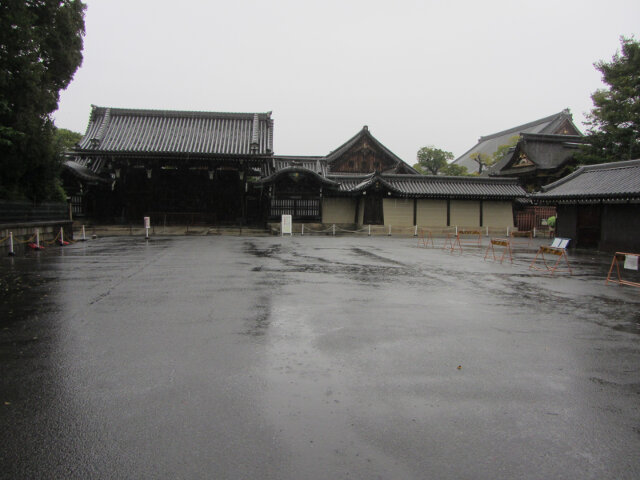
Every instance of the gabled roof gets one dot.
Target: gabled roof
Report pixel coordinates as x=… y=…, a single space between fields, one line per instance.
x=559 y=123
x=433 y=186
x=127 y=131
x=366 y=134
x=618 y=180
x=544 y=152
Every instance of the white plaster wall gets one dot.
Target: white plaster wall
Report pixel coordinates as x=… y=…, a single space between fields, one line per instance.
x=431 y=213
x=497 y=214
x=398 y=211
x=338 y=210
x=465 y=213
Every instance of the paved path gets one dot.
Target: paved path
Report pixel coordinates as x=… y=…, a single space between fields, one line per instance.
x=313 y=358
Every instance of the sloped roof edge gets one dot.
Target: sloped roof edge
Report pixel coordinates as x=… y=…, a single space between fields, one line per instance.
x=285 y=171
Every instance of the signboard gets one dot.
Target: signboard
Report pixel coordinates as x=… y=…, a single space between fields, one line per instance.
x=147 y=222
x=287 y=225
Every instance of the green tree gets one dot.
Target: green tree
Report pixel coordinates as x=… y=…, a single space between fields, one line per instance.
x=431 y=160
x=40 y=50
x=454 y=170
x=67 y=139
x=613 y=131
x=482 y=159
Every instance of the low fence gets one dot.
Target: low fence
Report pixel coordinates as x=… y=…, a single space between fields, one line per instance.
x=22 y=212
x=384 y=230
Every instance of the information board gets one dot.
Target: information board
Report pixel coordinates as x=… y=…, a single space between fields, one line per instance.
x=287 y=225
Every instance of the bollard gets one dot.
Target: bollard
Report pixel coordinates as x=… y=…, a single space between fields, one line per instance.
x=84 y=238
x=415 y=232
x=487 y=231
x=11 y=252
x=389 y=230
x=456 y=230
x=61 y=237
x=369 y=230
x=147 y=225
x=534 y=232
x=38 y=239
x=302 y=229
x=334 y=229
x=507 y=232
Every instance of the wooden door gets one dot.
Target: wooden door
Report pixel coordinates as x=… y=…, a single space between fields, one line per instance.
x=373 y=214
x=588 y=231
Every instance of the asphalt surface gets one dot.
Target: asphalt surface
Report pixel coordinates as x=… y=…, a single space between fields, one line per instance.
x=313 y=358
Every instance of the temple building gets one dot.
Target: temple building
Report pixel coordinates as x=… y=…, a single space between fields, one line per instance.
x=598 y=206
x=220 y=168
x=545 y=148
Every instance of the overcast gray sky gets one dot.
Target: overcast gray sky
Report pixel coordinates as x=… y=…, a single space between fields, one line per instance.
x=417 y=73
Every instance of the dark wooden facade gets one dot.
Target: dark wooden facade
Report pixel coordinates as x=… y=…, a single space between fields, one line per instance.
x=598 y=206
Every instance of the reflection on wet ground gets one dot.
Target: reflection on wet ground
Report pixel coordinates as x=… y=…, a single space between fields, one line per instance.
x=314 y=358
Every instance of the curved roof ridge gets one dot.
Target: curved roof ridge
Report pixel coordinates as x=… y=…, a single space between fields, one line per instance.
x=175 y=113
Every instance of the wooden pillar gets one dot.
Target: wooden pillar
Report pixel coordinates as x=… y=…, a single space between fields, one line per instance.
x=448 y=212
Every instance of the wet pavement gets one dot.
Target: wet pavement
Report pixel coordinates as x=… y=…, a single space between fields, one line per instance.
x=313 y=358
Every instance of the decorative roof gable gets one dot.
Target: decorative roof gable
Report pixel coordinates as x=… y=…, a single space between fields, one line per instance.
x=363 y=153
x=541 y=152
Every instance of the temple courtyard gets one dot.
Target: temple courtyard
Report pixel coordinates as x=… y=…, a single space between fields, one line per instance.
x=314 y=357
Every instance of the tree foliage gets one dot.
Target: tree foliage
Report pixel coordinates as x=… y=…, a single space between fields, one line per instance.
x=454 y=170
x=40 y=50
x=485 y=160
x=614 y=122
x=66 y=139
x=431 y=160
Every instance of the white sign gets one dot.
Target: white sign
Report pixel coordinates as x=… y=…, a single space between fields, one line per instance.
x=631 y=262
x=287 y=225
x=147 y=222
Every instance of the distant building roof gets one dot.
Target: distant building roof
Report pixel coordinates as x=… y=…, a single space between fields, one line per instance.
x=127 y=131
x=606 y=181
x=560 y=123
x=537 y=152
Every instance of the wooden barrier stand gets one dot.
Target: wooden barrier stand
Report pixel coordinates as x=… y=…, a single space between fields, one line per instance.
x=631 y=261
x=463 y=234
x=425 y=237
x=452 y=242
x=528 y=234
x=557 y=248
x=499 y=242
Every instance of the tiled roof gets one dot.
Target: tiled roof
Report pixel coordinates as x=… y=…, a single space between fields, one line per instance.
x=489 y=144
x=84 y=172
x=546 y=152
x=618 y=180
x=429 y=186
x=116 y=130
x=299 y=170
x=315 y=164
x=342 y=149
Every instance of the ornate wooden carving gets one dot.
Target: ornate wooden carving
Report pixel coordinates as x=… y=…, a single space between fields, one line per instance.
x=363 y=158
